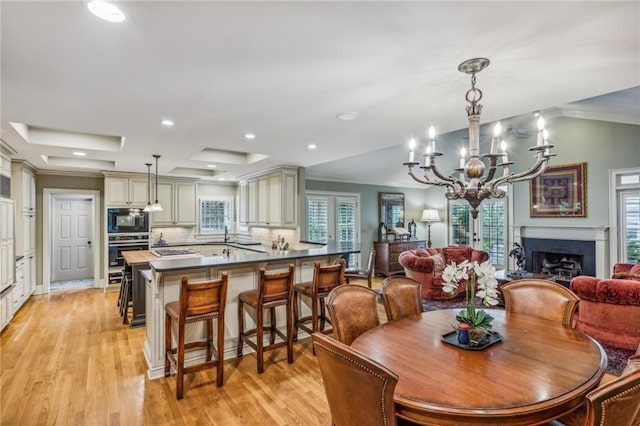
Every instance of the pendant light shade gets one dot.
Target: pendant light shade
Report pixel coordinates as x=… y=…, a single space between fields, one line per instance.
x=156 y=207
x=148 y=207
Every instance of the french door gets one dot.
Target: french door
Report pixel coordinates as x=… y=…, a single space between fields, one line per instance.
x=488 y=232
x=333 y=217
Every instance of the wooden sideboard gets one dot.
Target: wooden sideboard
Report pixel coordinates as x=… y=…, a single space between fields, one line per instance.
x=387 y=253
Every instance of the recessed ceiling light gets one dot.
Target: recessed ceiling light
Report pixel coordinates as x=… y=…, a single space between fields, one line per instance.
x=79 y=153
x=211 y=166
x=347 y=116
x=107 y=11
x=312 y=146
x=249 y=136
x=167 y=123
x=221 y=178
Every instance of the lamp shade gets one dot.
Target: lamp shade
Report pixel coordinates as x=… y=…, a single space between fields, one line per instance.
x=430 y=215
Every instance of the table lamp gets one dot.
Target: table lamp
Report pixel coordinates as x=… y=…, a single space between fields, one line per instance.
x=429 y=216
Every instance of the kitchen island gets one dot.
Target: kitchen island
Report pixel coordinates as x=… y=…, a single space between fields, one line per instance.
x=162 y=286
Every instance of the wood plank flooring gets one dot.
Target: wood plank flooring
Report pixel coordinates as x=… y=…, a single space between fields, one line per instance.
x=67 y=359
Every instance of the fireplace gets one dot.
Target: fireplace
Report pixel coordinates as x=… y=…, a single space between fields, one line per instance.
x=567 y=258
x=590 y=242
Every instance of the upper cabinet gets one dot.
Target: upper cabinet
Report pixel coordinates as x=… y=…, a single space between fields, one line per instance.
x=270 y=199
x=126 y=191
x=178 y=200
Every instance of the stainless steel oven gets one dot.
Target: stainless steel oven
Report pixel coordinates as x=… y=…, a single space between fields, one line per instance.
x=119 y=243
x=128 y=242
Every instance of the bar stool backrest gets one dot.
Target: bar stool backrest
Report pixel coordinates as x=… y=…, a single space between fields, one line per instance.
x=275 y=286
x=199 y=298
x=326 y=278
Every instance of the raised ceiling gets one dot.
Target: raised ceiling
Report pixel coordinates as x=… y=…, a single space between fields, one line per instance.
x=284 y=70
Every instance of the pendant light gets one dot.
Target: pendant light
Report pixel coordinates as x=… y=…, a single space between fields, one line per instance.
x=148 y=207
x=156 y=207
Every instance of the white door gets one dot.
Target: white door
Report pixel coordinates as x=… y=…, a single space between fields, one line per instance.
x=72 y=246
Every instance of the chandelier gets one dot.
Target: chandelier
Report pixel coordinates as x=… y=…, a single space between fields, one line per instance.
x=472 y=184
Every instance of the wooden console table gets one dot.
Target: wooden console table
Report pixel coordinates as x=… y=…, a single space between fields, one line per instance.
x=387 y=253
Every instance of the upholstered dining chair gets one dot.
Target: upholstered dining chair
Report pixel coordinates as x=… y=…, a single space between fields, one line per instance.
x=325 y=279
x=540 y=298
x=358 y=389
x=353 y=309
x=401 y=297
x=274 y=289
x=615 y=403
x=198 y=301
x=362 y=274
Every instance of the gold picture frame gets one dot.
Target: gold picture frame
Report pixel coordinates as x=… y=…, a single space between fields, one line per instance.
x=561 y=191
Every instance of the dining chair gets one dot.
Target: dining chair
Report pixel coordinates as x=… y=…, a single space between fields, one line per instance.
x=325 y=279
x=362 y=274
x=401 y=297
x=274 y=289
x=353 y=309
x=540 y=298
x=198 y=301
x=359 y=390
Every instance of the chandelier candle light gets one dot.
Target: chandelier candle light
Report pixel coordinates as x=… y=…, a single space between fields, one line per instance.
x=472 y=184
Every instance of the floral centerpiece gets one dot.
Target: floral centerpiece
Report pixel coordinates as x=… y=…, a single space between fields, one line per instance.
x=473 y=275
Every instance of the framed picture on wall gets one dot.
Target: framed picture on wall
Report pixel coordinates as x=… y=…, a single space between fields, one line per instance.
x=560 y=192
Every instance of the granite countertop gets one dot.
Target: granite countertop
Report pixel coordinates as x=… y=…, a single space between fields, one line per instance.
x=268 y=255
x=247 y=246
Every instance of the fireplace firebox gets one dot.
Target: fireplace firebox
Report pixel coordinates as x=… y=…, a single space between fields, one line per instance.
x=568 y=258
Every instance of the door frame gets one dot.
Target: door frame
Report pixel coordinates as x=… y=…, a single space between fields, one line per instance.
x=47 y=221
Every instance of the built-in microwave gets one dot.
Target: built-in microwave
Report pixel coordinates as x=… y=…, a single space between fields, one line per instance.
x=127 y=220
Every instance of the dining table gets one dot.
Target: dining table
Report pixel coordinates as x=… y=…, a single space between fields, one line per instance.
x=536 y=370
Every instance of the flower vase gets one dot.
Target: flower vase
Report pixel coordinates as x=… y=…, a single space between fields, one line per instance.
x=477 y=334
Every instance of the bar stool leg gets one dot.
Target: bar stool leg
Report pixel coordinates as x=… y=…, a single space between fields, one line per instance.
x=259 y=341
x=220 y=366
x=240 y=327
x=295 y=316
x=272 y=333
x=180 y=366
x=167 y=345
x=289 y=333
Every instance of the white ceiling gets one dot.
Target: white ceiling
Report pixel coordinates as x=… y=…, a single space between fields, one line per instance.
x=283 y=70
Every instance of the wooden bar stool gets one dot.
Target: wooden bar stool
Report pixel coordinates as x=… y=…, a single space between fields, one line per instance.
x=126 y=297
x=201 y=301
x=325 y=279
x=274 y=289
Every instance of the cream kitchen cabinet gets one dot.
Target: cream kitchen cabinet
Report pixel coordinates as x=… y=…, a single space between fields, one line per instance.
x=126 y=191
x=5 y=165
x=7 y=244
x=272 y=198
x=6 y=302
x=178 y=200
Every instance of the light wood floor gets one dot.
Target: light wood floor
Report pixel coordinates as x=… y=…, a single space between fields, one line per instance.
x=67 y=359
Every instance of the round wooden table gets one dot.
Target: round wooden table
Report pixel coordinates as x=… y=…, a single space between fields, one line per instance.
x=538 y=372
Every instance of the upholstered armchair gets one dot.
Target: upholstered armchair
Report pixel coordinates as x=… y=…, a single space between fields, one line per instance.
x=426 y=266
x=609 y=309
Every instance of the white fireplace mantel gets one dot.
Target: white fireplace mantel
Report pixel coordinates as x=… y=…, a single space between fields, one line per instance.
x=598 y=234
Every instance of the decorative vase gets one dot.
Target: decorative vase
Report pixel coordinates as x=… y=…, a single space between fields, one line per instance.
x=463 y=333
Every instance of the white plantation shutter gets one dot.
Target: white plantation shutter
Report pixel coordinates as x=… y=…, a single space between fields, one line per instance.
x=317 y=220
x=630 y=226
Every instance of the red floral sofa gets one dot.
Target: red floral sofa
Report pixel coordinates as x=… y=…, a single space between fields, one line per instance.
x=609 y=309
x=426 y=266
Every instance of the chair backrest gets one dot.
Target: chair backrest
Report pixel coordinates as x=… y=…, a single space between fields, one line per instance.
x=616 y=403
x=203 y=297
x=275 y=286
x=326 y=278
x=359 y=390
x=540 y=298
x=353 y=309
x=401 y=297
